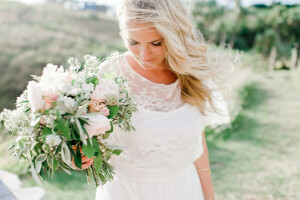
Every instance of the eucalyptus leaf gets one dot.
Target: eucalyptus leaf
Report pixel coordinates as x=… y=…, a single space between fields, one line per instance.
x=65 y=170
x=54 y=165
x=41 y=158
x=38 y=166
x=35 y=175
x=81 y=132
x=65 y=153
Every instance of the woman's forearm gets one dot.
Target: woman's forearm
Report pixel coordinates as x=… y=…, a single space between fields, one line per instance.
x=202 y=164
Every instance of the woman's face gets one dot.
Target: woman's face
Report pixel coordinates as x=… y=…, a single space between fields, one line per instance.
x=146 y=45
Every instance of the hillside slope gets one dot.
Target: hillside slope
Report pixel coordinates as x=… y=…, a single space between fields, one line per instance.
x=31 y=36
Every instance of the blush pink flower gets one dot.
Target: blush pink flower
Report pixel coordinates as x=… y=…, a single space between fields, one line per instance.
x=105 y=111
x=98 y=124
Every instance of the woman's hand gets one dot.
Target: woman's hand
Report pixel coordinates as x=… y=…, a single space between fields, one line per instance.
x=86 y=162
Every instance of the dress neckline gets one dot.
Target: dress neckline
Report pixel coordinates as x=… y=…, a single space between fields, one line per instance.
x=136 y=73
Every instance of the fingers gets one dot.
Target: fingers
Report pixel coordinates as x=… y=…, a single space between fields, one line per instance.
x=86 y=159
x=87 y=164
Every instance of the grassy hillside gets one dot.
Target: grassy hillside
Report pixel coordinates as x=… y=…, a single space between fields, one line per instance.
x=32 y=36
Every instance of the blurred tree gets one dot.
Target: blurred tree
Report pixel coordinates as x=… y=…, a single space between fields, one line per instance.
x=259 y=27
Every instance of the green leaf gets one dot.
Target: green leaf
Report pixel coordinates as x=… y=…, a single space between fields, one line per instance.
x=98 y=162
x=96 y=145
x=117 y=151
x=113 y=111
x=77 y=158
x=63 y=126
x=26 y=101
x=38 y=162
x=87 y=135
x=54 y=164
x=46 y=131
x=74 y=132
x=93 y=79
x=65 y=153
x=81 y=132
x=58 y=114
x=35 y=175
x=106 y=135
x=41 y=158
x=111 y=128
x=12 y=146
x=88 y=150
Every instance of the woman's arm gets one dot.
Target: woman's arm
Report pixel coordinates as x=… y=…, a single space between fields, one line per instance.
x=203 y=163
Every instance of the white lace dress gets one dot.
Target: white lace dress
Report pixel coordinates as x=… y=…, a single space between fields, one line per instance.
x=157 y=163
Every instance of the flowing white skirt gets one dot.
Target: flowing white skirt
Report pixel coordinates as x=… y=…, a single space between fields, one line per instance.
x=184 y=187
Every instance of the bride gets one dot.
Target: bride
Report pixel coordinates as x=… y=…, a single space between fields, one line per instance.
x=168 y=71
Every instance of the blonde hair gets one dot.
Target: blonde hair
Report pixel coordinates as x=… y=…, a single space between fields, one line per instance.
x=186 y=50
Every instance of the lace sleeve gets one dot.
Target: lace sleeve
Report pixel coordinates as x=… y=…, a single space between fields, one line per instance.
x=213 y=118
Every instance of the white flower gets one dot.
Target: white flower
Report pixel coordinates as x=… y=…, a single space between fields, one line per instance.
x=35 y=96
x=53 y=140
x=53 y=78
x=98 y=124
x=69 y=102
x=104 y=89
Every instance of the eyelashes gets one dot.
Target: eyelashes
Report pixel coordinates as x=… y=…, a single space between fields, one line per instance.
x=131 y=43
x=157 y=44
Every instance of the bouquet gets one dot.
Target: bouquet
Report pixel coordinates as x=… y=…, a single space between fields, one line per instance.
x=66 y=110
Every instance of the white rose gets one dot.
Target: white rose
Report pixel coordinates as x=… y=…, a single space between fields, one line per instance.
x=98 y=124
x=53 y=140
x=35 y=96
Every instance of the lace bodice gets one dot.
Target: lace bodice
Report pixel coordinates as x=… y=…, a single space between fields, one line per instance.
x=168 y=136
x=150 y=95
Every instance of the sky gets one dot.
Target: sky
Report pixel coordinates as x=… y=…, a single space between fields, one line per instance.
x=222 y=2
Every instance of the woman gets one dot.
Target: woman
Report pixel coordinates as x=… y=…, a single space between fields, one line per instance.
x=166 y=158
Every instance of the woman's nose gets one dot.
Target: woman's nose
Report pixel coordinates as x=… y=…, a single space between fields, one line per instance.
x=144 y=53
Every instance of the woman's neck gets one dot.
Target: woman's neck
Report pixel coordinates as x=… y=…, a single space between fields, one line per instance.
x=157 y=75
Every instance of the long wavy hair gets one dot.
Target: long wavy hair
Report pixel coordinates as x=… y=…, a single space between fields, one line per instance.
x=186 y=49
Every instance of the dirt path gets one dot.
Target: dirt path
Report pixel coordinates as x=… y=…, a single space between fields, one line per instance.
x=259 y=159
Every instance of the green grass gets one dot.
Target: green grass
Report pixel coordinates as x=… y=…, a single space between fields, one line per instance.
x=258 y=157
